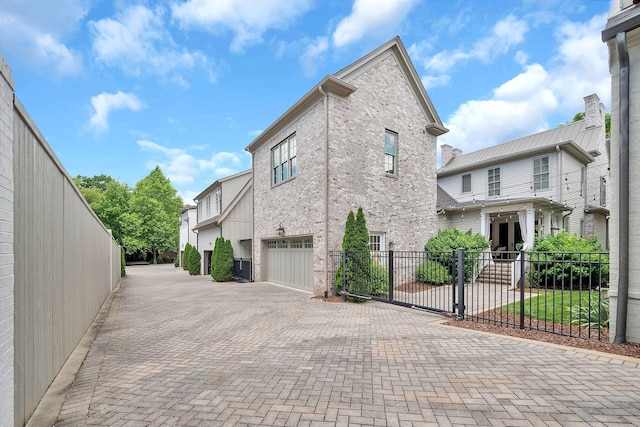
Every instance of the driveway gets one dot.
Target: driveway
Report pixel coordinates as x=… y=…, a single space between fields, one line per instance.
x=177 y=350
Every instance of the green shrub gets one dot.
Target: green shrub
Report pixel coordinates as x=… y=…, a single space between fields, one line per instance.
x=568 y=260
x=433 y=272
x=443 y=248
x=193 y=263
x=185 y=256
x=123 y=263
x=593 y=314
x=222 y=260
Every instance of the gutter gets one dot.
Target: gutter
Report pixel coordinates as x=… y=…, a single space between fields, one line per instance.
x=623 y=217
x=326 y=191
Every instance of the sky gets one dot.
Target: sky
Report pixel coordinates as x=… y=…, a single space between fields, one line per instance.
x=120 y=86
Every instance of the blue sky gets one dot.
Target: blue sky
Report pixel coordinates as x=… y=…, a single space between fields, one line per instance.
x=118 y=87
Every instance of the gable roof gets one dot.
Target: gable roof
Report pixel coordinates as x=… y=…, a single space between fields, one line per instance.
x=340 y=84
x=215 y=220
x=572 y=137
x=220 y=181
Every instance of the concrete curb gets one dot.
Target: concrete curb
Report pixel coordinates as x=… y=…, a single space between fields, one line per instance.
x=49 y=406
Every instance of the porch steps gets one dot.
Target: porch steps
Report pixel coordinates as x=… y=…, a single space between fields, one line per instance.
x=496 y=273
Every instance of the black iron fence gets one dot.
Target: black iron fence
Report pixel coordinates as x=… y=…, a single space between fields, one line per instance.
x=560 y=293
x=242 y=269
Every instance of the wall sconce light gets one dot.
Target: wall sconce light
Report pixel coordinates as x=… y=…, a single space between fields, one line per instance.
x=280 y=230
x=391 y=245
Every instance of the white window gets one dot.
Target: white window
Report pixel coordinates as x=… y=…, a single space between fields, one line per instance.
x=603 y=191
x=283 y=160
x=494 y=182
x=376 y=241
x=583 y=173
x=390 y=152
x=466 y=183
x=199 y=210
x=218 y=195
x=207 y=205
x=541 y=173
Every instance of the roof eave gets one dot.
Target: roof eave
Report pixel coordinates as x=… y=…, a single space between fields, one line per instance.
x=330 y=84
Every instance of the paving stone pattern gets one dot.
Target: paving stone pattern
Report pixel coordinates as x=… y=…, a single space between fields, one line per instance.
x=183 y=351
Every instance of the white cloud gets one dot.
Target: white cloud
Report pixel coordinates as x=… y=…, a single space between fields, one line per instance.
x=254 y=133
x=248 y=20
x=522 y=105
x=430 y=82
x=519 y=107
x=371 y=17
x=105 y=102
x=312 y=56
x=506 y=34
x=183 y=168
x=137 y=42
x=35 y=31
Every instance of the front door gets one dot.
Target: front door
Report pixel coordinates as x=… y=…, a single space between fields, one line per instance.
x=503 y=234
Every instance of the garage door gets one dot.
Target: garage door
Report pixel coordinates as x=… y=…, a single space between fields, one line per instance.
x=290 y=262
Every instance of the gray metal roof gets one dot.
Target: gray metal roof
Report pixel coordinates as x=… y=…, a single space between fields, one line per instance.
x=586 y=139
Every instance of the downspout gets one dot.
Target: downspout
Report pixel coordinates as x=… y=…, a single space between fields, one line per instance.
x=623 y=191
x=326 y=191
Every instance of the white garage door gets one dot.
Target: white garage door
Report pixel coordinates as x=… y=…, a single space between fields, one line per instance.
x=290 y=262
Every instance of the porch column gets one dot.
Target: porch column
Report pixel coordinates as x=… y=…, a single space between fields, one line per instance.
x=484 y=225
x=531 y=228
x=547 y=223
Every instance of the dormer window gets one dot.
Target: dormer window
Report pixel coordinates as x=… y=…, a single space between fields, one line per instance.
x=541 y=173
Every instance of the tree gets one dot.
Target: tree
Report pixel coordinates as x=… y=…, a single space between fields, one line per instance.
x=222 y=260
x=151 y=223
x=109 y=199
x=185 y=256
x=194 y=261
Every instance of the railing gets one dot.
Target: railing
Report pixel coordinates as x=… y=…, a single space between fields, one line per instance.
x=559 y=293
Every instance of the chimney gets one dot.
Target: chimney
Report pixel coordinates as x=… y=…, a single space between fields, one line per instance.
x=456 y=152
x=593 y=111
x=446 y=154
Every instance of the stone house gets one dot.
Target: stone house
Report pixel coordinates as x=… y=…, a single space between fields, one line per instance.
x=532 y=186
x=622 y=35
x=225 y=209
x=364 y=136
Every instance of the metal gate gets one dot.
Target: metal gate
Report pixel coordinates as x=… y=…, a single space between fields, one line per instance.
x=408 y=278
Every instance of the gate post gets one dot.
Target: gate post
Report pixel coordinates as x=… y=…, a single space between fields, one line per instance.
x=390 y=275
x=522 y=281
x=460 y=284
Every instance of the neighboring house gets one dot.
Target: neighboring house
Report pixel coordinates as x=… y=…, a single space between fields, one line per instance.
x=188 y=219
x=225 y=209
x=531 y=186
x=365 y=136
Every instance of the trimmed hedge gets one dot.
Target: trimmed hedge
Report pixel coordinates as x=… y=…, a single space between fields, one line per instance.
x=222 y=260
x=433 y=272
x=194 y=262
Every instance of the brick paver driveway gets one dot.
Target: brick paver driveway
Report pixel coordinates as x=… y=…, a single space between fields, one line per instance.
x=180 y=350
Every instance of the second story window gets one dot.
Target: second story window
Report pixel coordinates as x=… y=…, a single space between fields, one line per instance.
x=583 y=173
x=218 y=201
x=466 y=183
x=541 y=173
x=390 y=152
x=283 y=160
x=603 y=191
x=494 y=182
x=207 y=206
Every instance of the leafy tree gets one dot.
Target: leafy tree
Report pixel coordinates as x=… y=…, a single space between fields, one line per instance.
x=154 y=212
x=109 y=199
x=222 y=260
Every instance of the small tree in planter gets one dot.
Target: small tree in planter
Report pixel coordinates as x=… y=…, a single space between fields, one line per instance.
x=222 y=260
x=194 y=261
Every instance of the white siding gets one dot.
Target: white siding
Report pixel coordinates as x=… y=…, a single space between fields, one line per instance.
x=516 y=181
x=571 y=191
x=238 y=226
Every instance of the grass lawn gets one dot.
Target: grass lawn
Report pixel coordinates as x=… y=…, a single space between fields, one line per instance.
x=551 y=305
